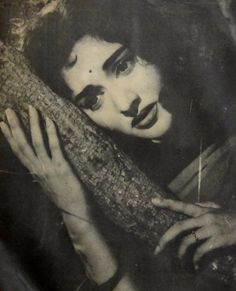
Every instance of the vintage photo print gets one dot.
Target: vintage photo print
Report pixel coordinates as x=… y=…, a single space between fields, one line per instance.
x=117 y=145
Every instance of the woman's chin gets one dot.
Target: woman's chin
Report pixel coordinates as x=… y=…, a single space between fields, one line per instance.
x=151 y=134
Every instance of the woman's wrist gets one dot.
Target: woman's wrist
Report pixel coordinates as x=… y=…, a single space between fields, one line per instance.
x=112 y=282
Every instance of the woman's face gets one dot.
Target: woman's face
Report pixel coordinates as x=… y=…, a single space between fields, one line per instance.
x=116 y=89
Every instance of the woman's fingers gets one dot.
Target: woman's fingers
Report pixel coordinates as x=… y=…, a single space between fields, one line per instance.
x=23 y=150
x=37 y=137
x=7 y=134
x=177 y=229
x=209 y=204
x=179 y=206
x=36 y=134
x=53 y=140
x=193 y=238
x=17 y=139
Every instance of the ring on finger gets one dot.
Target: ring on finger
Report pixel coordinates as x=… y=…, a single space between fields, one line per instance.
x=197 y=239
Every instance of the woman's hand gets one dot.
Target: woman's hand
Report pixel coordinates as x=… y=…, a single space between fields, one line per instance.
x=66 y=191
x=214 y=226
x=53 y=171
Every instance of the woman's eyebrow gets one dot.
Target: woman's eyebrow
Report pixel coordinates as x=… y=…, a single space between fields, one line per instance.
x=110 y=61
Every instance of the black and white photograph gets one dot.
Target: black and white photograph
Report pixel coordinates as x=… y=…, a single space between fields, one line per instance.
x=117 y=145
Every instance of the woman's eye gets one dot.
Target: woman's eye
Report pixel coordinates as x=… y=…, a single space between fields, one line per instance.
x=90 y=102
x=90 y=98
x=124 y=67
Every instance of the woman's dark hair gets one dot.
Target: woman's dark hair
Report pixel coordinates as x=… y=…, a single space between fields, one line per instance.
x=194 y=54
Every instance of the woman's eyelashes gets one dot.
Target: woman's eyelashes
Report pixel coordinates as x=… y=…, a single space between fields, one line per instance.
x=91 y=102
x=90 y=98
x=124 y=65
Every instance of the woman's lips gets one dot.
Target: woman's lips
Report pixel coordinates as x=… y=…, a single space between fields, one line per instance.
x=147 y=117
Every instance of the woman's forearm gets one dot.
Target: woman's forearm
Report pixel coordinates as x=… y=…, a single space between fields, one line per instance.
x=100 y=263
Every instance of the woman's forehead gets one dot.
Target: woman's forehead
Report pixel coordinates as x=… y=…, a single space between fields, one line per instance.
x=86 y=62
x=92 y=52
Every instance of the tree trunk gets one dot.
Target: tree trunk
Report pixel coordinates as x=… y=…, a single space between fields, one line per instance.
x=120 y=188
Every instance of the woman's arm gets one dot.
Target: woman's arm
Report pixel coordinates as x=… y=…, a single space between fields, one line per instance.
x=67 y=193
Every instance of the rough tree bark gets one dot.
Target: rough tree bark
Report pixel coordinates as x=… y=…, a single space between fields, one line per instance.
x=120 y=188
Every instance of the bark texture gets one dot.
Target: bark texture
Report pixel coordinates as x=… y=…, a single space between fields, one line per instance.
x=119 y=187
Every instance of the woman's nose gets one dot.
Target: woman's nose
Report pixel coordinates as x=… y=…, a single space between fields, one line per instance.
x=132 y=111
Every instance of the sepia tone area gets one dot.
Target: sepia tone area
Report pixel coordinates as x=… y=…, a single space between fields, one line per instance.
x=34 y=239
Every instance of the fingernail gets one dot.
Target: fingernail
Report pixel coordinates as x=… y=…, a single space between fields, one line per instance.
x=8 y=111
x=9 y=114
x=157 y=250
x=156 y=200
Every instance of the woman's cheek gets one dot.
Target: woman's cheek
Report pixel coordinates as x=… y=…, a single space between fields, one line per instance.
x=102 y=118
